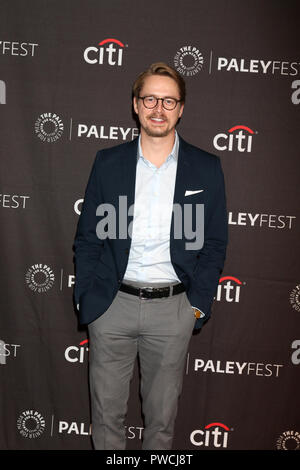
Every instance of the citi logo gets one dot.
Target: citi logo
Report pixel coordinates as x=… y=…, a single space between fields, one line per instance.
x=213 y=435
x=77 y=354
x=237 y=138
x=229 y=289
x=109 y=51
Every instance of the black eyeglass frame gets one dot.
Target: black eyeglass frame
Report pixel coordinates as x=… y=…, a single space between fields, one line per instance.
x=157 y=100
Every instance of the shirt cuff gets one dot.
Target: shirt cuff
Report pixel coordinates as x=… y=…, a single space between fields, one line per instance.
x=198 y=312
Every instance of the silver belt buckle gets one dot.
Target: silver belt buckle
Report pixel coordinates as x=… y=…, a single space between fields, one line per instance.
x=145 y=288
x=155 y=288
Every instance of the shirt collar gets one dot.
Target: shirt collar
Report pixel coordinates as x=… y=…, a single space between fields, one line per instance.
x=173 y=154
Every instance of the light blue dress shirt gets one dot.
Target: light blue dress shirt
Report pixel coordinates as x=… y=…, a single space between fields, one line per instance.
x=149 y=257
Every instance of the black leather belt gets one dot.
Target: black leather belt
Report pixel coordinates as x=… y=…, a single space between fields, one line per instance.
x=152 y=292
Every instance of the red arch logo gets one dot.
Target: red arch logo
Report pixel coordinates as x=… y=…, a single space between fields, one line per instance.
x=230 y=278
x=217 y=424
x=241 y=127
x=116 y=41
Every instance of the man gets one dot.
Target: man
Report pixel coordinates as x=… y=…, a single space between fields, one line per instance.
x=142 y=291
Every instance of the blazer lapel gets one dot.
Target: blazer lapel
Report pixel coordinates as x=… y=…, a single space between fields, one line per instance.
x=183 y=171
x=182 y=176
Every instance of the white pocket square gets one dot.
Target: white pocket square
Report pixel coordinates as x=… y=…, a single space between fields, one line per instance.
x=189 y=193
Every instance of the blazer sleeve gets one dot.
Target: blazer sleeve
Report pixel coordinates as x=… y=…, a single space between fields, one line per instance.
x=87 y=246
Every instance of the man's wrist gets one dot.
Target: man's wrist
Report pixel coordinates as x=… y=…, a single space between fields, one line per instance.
x=198 y=313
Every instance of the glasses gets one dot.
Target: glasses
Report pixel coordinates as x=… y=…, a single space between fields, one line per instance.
x=150 y=102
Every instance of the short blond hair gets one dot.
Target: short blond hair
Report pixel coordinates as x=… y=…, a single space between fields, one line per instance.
x=160 y=68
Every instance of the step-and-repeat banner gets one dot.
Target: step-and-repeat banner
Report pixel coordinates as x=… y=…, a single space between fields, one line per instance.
x=66 y=72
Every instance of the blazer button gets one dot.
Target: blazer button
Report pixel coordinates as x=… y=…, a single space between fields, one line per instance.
x=126 y=251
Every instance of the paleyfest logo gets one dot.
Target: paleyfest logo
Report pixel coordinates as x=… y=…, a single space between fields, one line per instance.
x=188 y=61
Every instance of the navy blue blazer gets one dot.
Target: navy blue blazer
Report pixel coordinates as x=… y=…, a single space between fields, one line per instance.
x=100 y=264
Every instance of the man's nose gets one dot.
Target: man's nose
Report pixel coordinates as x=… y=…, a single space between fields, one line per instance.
x=159 y=106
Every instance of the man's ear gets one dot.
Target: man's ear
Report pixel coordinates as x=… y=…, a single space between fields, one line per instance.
x=181 y=110
x=135 y=107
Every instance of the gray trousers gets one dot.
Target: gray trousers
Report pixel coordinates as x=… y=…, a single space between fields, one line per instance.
x=158 y=331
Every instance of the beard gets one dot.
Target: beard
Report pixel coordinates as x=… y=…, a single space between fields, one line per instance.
x=156 y=132
x=152 y=131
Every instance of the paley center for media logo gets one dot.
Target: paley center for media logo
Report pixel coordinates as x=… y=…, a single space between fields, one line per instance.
x=288 y=440
x=49 y=127
x=31 y=424
x=295 y=298
x=107 y=52
x=188 y=60
x=40 y=277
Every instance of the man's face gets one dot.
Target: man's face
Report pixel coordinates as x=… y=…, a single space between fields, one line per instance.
x=158 y=122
